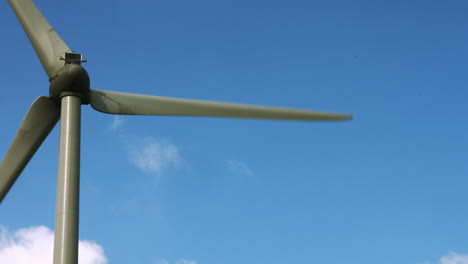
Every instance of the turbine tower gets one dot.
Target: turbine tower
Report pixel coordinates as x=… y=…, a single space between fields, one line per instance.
x=69 y=89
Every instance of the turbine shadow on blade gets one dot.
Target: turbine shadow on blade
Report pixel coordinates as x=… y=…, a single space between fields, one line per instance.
x=69 y=89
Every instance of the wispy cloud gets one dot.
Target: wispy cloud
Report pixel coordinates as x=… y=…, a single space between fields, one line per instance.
x=35 y=245
x=150 y=155
x=454 y=258
x=186 y=261
x=117 y=122
x=239 y=167
x=451 y=258
x=180 y=261
x=153 y=155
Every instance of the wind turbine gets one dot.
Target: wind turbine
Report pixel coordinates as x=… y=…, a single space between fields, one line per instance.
x=69 y=89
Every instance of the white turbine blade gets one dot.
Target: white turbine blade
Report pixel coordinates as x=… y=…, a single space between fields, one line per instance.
x=37 y=124
x=135 y=104
x=46 y=42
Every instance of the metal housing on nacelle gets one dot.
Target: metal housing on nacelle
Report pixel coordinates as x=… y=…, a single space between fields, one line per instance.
x=71 y=79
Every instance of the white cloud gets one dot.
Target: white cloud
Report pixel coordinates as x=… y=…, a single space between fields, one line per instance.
x=454 y=258
x=35 y=245
x=152 y=156
x=239 y=167
x=117 y=122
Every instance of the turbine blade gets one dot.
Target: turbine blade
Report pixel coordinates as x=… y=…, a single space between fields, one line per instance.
x=37 y=124
x=135 y=104
x=46 y=42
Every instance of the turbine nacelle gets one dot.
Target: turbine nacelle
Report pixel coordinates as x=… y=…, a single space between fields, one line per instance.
x=71 y=79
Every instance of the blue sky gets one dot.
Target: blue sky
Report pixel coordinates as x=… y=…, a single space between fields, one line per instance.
x=388 y=187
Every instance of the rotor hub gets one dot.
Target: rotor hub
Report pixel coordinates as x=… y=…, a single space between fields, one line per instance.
x=71 y=79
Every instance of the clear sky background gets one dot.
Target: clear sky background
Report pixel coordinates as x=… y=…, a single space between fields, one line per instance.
x=388 y=187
